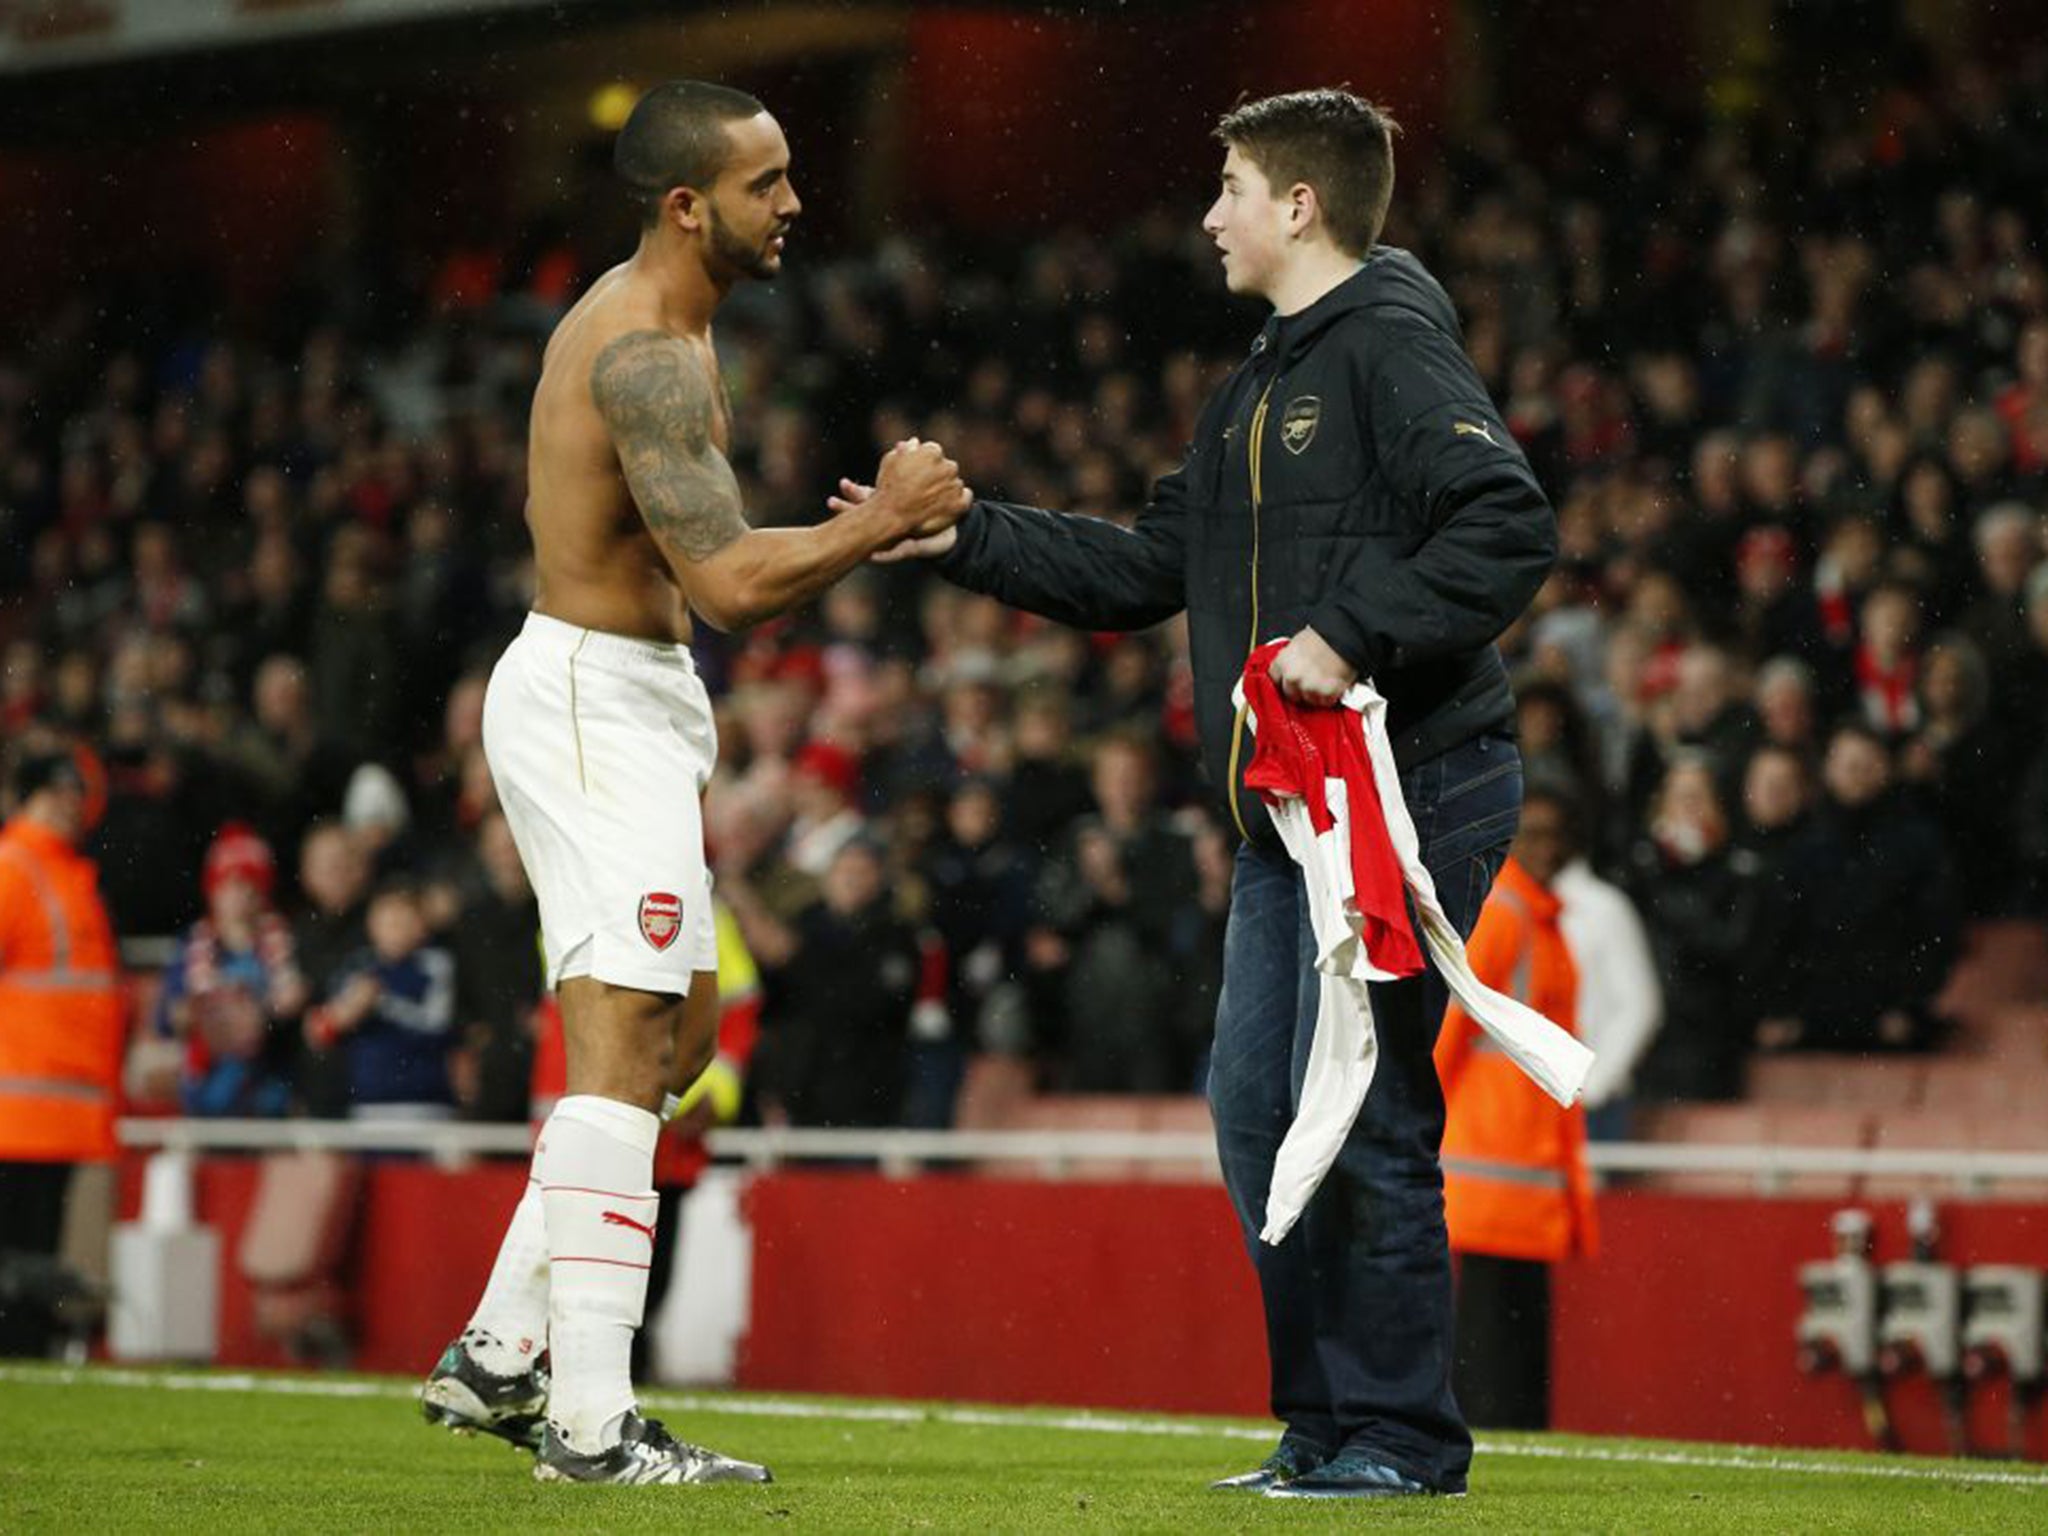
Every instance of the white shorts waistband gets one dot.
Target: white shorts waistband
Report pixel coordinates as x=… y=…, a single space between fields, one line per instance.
x=555 y=637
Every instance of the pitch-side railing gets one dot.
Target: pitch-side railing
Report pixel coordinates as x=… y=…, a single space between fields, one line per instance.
x=1059 y=1154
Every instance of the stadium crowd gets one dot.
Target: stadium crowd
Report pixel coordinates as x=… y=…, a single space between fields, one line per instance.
x=1787 y=383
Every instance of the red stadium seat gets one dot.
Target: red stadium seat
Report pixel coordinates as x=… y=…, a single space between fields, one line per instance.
x=2016 y=1034
x=1835 y=1126
x=1079 y=1112
x=1183 y=1115
x=994 y=1092
x=1712 y=1125
x=1836 y=1080
x=2020 y=1129
x=1980 y=1085
x=2003 y=963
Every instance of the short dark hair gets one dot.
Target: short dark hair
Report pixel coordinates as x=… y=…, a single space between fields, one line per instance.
x=1862 y=730
x=675 y=137
x=43 y=768
x=1340 y=144
x=399 y=885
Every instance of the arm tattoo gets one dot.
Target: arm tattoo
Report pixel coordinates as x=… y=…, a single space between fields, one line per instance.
x=658 y=401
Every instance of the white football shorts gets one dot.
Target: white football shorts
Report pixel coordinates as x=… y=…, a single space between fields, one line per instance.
x=600 y=747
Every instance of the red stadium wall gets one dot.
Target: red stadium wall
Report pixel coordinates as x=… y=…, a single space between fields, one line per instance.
x=1090 y=120
x=422 y=1250
x=1683 y=1325
x=244 y=202
x=1138 y=1296
x=1113 y=1295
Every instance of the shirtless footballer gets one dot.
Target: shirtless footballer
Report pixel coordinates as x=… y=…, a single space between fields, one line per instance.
x=600 y=738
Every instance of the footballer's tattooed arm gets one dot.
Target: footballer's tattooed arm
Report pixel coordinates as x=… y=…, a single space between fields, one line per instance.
x=658 y=400
x=659 y=403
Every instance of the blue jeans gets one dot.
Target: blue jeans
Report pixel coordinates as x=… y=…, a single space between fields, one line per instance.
x=1358 y=1297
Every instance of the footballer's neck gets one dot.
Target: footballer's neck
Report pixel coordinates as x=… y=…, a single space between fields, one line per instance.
x=1311 y=269
x=689 y=292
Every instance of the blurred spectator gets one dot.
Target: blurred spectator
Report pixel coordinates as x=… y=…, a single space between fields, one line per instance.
x=1775 y=798
x=454 y=783
x=1933 y=555
x=392 y=1007
x=352 y=654
x=1700 y=903
x=1710 y=716
x=1775 y=613
x=1557 y=745
x=234 y=990
x=1620 y=999
x=153 y=837
x=447 y=854
x=1215 y=855
x=22 y=696
x=498 y=981
x=1887 y=662
x=981 y=886
x=1048 y=790
x=2009 y=547
x=1785 y=704
x=1631 y=761
x=267 y=612
x=374 y=810
x=2025 y=689
x=1875 y=910
x=1964 y=766
x=1776 y=831
x=334 y=884
x=162 y=594
x=437 y=601
x=824 y=784
x=843 y=975
x=284 y=755
x=1118 y=919
x=1850 y=564
x=2029 y=704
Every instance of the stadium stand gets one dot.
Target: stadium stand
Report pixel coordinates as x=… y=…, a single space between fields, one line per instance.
x=1792 y=408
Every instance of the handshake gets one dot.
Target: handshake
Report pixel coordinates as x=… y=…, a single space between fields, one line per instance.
x=916 y=499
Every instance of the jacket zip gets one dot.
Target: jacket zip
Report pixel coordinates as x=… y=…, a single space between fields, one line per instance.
x=1256 y=448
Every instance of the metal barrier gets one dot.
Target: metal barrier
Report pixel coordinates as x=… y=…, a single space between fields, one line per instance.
x=1056 y=1154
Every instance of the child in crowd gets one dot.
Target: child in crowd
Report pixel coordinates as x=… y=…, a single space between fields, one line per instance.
x=234 y=980
x=392 y=1006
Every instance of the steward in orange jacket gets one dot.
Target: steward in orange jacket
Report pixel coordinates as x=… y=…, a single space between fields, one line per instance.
x=62 y=1021
x=63 y=1015
x=1515 y=1182
x=1516 y=1192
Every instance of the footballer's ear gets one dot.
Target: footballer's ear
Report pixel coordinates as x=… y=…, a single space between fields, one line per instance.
x=683 y=208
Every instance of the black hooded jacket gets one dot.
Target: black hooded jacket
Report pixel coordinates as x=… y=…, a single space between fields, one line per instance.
x=1350 y=476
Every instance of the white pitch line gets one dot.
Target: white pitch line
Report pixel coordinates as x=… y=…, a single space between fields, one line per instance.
x=1762 y=1461
x=210 y=1381
x=998 y=1418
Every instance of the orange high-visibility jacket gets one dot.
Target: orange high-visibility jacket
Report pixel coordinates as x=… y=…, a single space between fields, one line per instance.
x=63 y=1015
x=1515 y=1182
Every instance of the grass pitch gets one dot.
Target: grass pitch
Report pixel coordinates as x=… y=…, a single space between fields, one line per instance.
x=118 y=1450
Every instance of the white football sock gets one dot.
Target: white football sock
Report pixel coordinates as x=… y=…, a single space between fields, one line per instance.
x=596 y=1163
x=510 y=1326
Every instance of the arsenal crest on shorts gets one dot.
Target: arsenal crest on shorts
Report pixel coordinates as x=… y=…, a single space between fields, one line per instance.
x=661 y=918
